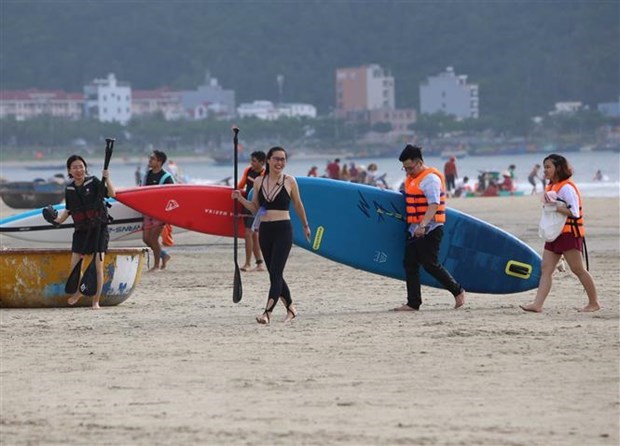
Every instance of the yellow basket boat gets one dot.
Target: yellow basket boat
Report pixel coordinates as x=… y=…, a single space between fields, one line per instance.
x=35 y=278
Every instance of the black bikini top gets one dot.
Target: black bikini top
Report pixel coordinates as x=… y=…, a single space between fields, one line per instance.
x=277 y=200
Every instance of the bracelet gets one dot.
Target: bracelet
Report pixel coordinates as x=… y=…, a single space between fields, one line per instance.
x=306 y=225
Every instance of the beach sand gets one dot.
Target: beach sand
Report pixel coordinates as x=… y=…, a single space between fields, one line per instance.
x=179 y=363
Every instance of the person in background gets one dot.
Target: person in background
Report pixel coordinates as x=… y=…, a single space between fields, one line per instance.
x=254 y=170
x=151 y=227
x=570 y=242
x=451 y=174
x=462 y=187
x=507 y=184
x=138 y=176
x=85 y=203
x=534 y=177
x=344 y=173
x=425 y=194
x=512 y=170
x=353 y=172
x=313 y=172
x=598 y=176
x=273 y=194
x=333 y=169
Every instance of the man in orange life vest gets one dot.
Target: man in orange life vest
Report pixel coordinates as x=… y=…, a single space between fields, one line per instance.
x=425 y=195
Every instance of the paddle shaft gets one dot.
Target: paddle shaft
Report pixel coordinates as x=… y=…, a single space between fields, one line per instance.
x=237 y=288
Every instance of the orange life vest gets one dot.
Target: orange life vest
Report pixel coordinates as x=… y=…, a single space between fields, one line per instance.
x=416 y=201
x=573 y=225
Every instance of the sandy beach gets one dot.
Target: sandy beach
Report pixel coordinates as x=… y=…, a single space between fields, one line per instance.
x=179 y=363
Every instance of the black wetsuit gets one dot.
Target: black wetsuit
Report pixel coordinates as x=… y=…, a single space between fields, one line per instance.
x=87 y=207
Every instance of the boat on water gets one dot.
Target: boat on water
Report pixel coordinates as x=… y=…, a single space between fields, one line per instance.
x=32 y=194
x=35 y=278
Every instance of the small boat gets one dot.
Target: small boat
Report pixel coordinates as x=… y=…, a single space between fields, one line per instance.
x=35 y=278
x=32 y=194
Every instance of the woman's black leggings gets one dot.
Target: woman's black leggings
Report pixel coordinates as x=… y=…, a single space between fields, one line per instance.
x=276 y=239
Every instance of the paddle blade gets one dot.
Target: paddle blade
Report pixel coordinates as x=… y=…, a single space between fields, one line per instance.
x=71 y=286
x=88 y=286
x=237 y=288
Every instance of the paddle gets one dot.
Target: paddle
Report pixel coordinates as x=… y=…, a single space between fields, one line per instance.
x=237 y=288
x=88 y=285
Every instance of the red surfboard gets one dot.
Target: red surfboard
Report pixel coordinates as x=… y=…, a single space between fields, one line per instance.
x=206 y=209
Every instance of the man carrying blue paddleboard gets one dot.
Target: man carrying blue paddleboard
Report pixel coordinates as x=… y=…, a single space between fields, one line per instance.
x=425 y=195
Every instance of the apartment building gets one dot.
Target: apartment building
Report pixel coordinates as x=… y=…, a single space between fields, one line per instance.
x=364 y=88
x=108 y=100
x=162 y=100
x=449 y=93
x=28 y=104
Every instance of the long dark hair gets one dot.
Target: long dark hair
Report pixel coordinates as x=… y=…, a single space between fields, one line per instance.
x=70 y=161
x=274 y=149
x=563 y=170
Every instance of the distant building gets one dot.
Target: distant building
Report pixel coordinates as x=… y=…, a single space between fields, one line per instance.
x=27 y=104
x=364 y=88
x=566 y=107
x=209 y=98
x=367 y=94
x=450 y=94
x=162 y=100
x=108 y=100
x=611 y=109
x=268 y=111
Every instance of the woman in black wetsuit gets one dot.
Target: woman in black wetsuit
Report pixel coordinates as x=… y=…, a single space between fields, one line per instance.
x=273 y=193
x=84 y=198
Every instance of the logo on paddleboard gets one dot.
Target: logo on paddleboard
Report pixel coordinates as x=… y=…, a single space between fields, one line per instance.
x=172 y=205
x=380 y=257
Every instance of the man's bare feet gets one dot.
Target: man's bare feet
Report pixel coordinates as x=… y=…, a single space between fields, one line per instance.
x=164 y=261
x=531 y=308
x=96 y=307
x=74 y=299
x=154 y=269
x=404 y=308
x=459 y=300
x=590 y=308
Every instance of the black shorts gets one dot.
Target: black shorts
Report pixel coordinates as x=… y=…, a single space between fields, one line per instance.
x=248 y=218
x=89 y=242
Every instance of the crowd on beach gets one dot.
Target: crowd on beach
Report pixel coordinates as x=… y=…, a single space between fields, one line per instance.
x=355 y=173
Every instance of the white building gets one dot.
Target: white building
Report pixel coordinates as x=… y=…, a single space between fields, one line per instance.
x=108 y=100
x=450 y=94
x=27 y=104
x=266 y=110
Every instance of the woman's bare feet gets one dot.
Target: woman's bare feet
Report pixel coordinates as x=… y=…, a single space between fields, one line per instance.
x=259 y=267
x=245 y=268
x=531 y=308
x=263 y=319
x=291 y=313
x=590 y=308
x=96 y=307
x=154 y=269
x=74 y=299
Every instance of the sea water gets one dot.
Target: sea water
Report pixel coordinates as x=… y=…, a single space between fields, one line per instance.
x=585 y=165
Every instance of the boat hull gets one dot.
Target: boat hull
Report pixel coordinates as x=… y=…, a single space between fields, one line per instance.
x=35 y=278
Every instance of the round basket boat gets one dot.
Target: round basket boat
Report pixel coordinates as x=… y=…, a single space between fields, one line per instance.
x=35 y=278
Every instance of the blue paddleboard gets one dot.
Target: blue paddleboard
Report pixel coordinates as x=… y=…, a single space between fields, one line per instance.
x=364 y=227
